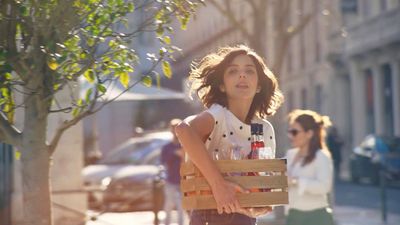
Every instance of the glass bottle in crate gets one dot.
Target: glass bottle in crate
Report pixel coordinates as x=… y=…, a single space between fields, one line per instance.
x=254 y=141
x=264 y=152
x=216 y=155
x=235 y=153
x=254 y=150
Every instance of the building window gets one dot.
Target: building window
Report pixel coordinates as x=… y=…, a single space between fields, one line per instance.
x=316 y=31
x=366 y=8
x=302 y=41
x=318 y=98
x=302 y=51
x=383 y=5
x=369 y=94
x=304 y=98
x=388 y=99
x=349 y=6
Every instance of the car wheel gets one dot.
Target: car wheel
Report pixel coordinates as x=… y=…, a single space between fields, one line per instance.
x=375 y=175
x=354 y=176
x=355 y=179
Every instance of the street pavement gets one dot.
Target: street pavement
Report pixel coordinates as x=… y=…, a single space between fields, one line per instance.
x=344 y=215
x=355 y=204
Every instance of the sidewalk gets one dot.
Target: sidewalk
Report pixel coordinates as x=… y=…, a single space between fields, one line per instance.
x=347 y=215
x=344 y=215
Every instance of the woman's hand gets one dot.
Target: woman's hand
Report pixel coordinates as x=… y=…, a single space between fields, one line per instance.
x=255 y=212
x=224 y=194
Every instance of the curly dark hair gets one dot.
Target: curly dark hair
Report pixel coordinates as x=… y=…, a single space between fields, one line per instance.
x=207 y=76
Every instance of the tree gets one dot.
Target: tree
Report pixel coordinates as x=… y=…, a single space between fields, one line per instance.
x=283 y=30
x=46 y=46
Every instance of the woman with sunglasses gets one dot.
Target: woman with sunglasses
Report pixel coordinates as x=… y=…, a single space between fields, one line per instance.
x=310 y=169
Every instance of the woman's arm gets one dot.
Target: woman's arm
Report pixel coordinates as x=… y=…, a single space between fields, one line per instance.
x=192 y=133
x=322 y=183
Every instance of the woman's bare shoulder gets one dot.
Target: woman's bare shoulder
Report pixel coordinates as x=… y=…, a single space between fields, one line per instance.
x=202 y=123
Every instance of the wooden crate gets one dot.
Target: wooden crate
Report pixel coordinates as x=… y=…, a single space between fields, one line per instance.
x=197 y=193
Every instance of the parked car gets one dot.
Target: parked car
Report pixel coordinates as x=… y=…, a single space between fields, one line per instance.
x=374 y=154
x=123 y=179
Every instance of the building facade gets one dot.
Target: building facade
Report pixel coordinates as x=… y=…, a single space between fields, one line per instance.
x=308 y=79
x=367 y=50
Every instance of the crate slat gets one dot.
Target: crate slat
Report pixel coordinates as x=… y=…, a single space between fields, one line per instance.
x=254 y=165
x=260 y=199
x=200 y=183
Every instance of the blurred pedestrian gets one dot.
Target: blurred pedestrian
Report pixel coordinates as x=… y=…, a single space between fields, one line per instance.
x=171 y=156
x=310 y=169
x=335 y=143
x=237 y=88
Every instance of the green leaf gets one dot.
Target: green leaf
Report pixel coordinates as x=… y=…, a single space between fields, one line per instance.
x=124 y=79
x=166 y=67
x=88 y=94
x=2 y=101
x=184 y=20
x=75 y=112
x=8 y=108
x=17 y=154
x=56 y=86
x=167 y=40
x=112 y=44
x=23 y=10
x=147 y=81
x=8 y=76
x=90 y=42
x=80 y=102
x=101 y=88
x=89 y=75
x=160 y=30
x=4 y=92
x=53 y=65
x=131 y=7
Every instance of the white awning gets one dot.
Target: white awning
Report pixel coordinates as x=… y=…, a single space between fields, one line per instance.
x=136 y=93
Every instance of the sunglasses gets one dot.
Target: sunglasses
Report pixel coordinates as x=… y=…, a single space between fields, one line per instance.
x=293 y=132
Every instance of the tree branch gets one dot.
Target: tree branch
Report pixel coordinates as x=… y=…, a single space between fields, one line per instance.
x=299 y=27
x=69 y=123
x=230 y=15
x=9 y=133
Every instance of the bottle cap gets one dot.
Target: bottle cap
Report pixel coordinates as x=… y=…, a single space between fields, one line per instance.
x=253 y=128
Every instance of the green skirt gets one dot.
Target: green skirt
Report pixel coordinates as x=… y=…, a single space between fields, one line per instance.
x=321 y=216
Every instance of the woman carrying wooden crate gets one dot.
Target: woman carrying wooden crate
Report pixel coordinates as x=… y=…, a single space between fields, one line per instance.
x=237 y=89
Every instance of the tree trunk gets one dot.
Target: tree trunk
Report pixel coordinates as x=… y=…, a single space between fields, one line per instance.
x=35 y=163
x=258 y=40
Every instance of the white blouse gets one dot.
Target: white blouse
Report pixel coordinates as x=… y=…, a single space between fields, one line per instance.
x=314 y=181
x=228 y=130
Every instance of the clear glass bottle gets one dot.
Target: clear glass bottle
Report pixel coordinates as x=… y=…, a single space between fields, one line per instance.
x=216 y=155
x=254 y=141
x=235 y=153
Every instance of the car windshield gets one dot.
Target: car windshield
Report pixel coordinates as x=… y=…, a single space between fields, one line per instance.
x=133 y=152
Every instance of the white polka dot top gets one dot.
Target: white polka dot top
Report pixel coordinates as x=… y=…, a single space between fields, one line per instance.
x=229 y=130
